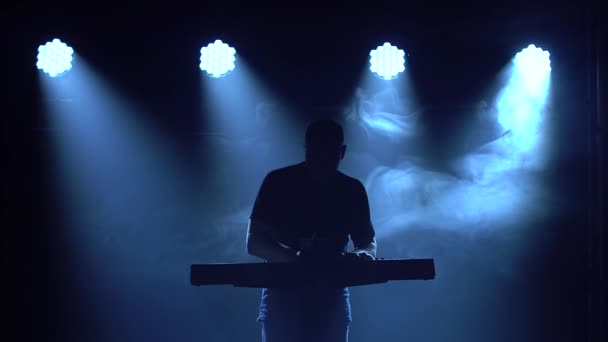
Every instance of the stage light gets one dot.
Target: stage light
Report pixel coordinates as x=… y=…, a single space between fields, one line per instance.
x=532 y=61
x=217 y=59
x=55 y=57
x=521 y=103
x=387 y=61
x=532 y=67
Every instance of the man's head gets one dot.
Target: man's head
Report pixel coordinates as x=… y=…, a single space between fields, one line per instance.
x=325 y=147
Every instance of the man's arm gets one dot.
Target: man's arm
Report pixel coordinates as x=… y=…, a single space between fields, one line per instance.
x=262 y=239
x=362 y=231
x=262 y=243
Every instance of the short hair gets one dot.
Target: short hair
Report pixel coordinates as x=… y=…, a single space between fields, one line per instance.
x=324 y=132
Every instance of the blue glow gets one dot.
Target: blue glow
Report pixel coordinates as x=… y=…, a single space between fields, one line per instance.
x=488 y=187
x=217 y=59
x=384 y=113
x=521 y=103
x=387 y=61
x=55 y=58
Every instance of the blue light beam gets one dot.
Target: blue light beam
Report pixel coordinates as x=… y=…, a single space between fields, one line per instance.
x=217 y=59
x=55 y=58
x=521 y=102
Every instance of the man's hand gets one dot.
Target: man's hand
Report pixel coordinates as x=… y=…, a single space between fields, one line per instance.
x=364 y=255
x=288 y=255
x=360 y=255
x=262 y=242
x=366 y=251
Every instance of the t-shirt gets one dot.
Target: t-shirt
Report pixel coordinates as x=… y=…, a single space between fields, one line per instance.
x=297 y=208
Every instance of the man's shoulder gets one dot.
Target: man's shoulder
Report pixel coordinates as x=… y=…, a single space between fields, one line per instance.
x=286 y=171
x=350 y=181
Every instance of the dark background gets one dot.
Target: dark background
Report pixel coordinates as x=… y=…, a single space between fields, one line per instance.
x=452 y=54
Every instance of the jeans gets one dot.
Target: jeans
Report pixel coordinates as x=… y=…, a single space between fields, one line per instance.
x=303 y=331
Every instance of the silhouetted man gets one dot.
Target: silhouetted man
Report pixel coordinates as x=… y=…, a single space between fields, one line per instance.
x=298 y=202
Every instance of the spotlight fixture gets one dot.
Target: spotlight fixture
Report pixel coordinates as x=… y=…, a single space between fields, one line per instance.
x=532 y=61
x=217 y=59
x=387 y=61
x=55 y=57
